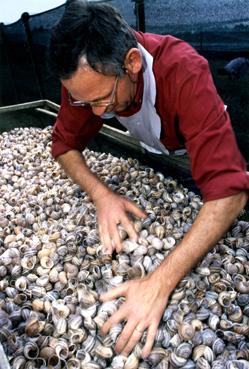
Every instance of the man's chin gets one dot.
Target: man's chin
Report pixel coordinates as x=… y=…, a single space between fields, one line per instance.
x=122 y=108
x=108 y=115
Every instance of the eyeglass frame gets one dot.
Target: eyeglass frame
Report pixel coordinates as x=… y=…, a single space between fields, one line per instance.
x=96 y=104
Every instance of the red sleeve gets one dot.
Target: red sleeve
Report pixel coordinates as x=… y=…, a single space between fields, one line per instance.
x=218 y=168
x=74 y=127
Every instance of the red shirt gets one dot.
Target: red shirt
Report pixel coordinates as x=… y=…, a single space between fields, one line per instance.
x=192 y=115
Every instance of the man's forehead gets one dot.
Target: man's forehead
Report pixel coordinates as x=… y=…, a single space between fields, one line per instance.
x=88 y=85
x=88 y=75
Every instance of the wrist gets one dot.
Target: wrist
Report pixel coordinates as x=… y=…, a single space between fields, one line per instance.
x=98 y=192
x=168 y=275
x=160 y=279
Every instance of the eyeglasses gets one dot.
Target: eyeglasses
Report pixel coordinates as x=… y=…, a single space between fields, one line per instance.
x=98 y=103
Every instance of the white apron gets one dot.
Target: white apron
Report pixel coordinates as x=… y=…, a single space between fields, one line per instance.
x=145 y=125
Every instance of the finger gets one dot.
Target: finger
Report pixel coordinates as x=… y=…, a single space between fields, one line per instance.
x=105 y=238
x=151 y=334
x=128 y=339
x=114 y=293
x=134 y=209
x=128 y=226
x=117 y=317
x=116 y=240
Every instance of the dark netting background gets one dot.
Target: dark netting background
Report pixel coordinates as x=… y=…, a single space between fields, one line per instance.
x=18 y=78
x=218 y=29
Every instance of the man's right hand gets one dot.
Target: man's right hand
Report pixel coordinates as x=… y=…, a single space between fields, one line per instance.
x=113 y=210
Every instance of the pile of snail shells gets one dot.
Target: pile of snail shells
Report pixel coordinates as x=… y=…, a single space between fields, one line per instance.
x=52 y=268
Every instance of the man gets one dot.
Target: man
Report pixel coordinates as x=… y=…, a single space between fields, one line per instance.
x=160 y=89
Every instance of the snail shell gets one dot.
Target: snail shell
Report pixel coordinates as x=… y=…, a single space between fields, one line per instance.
x=73 y=363
x=115 y=331
x=118 y=361
x=186 y=331
x=34 y=326
x=226 y=298
x=218 y=346
x=59 y=309
x=19 y=362
x=89 y=343
x=92 y=365
x=203 y=351
x=60 y=327
x=55 y=362
x=77 y=336
x=137 y=271
x=31 y=350
x=213 y=321
x=46 y=352
x=132 y=362
x=208 y=337
x=21 y=283
x=61 y=349
x=202 y=363
x=103 y=351
x=184 y=350
x=177 y=361
x=37 y=304
x=75 y=322
x=156 y=356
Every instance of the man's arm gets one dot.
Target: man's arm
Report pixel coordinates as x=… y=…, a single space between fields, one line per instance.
x=112 y=209
x=212 y=222
x=73 y=129
x=152 y=292
x=74 y=165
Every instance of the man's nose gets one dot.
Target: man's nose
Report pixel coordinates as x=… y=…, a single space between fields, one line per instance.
x=98 y=110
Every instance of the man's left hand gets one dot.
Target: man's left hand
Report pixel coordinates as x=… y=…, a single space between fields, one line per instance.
x=146 y=298
x=145 y=302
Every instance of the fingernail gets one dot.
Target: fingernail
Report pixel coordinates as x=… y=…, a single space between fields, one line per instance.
x=102 y=296
x=144 y=356
x=118 y=351
x=106 y=252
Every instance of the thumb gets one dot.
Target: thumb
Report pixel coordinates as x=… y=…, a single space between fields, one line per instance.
x=114 y=293
x=132 y=208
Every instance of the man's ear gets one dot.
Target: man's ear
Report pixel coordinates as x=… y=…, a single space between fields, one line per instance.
x=133 y=61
